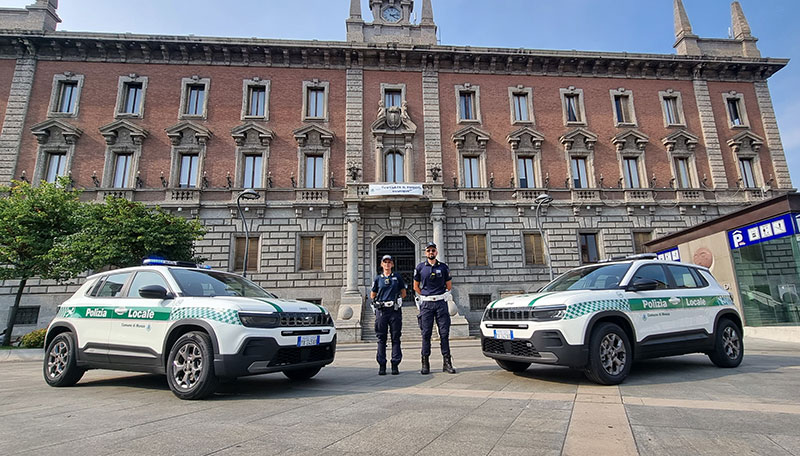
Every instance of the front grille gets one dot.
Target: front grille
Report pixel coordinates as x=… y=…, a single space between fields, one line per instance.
x=510 y=347
x=509 y=314
x=287 y=356
x=300 y=319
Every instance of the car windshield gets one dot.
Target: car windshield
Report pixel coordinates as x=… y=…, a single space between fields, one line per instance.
x=601 y=277
x=212 y=283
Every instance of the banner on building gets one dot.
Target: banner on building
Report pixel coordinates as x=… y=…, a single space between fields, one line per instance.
x=764 y=231
x=395 y=189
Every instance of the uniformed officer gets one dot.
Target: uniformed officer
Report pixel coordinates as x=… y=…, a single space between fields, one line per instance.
x=433 y=283
x=388 y=291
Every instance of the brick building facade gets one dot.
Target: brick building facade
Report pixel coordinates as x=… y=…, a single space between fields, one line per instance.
x=629 y=146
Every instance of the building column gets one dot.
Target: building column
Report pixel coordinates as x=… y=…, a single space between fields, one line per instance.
x=716 y=163
x=353 y=219
x=437 y=219
x=13 y=123
x=781 y=169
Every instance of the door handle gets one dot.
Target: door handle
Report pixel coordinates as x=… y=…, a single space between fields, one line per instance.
x=674 y=301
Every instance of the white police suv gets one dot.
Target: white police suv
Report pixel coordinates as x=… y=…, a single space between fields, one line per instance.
x=602 y=317
x=195 y=325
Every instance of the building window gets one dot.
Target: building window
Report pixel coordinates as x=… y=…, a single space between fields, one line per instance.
x=527 y=176
x=468 y=102
x=67 y=97
x=311 y=253
x=132 y=99
x=56 y=166
x=521 y=99
x=579 y=176
x=252 y=171
x=315 y=171
x=573 y=110
x=630 y=166
x=467 y=105
x=682 y=178
x=639 y=239
x=122 y=171
x=476 y=250
x=737 y=115
x=316 y=102
x=478 y=303
x=394 y=167
x=521 y=107
x=672 y=108
x=472 y=177
x=256 y=101
x=252 y=254
x=393 y=98
x=188 y=171
x=589 y=252
x=534 y=249
x=746 y=169
x=572 y=101
x=196 y=94
x=624 y=113
x=733 y=112
x=28 y=315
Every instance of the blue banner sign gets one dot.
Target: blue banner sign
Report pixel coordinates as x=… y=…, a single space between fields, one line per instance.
x=767 y=230
x=669 y=255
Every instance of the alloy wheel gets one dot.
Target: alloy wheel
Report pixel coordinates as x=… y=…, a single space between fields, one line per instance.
x=612 y=354
x=57 y=359
x=188 y=366
x=730 y=341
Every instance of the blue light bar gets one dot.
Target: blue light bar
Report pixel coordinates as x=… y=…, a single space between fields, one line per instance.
x=182 y=264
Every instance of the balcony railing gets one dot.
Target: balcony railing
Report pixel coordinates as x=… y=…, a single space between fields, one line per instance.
x=638 y=196
x=586 y=196
x=115 y=193
x=311 y=195
x=184 y=196
x=527 y=195
x=474 y=195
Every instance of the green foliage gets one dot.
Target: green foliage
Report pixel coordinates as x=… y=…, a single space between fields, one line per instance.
x=34 y=339
x=121 y=233
x=32 y=219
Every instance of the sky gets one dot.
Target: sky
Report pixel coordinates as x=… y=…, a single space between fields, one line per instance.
x=638 y=26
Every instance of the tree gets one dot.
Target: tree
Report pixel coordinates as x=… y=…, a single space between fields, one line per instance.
x=120 y=233
x=32 y=220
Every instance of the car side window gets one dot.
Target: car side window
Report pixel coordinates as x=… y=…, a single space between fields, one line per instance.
x=113 y=285
x=702 y=282
x=652 y=272
x=683 y=277
x=96 y=287
x=145 y=279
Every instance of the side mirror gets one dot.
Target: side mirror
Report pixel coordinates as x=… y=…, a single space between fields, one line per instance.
x=154 y=292
x=643 y=285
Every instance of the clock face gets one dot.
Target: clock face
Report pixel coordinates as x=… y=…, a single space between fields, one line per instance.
x=392 y=14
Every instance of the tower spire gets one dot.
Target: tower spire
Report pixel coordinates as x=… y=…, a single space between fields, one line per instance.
x=682 y=25
x=355 y=9
x=741 y=29
x=427 y=13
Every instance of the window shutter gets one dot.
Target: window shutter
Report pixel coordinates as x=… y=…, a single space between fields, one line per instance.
x=316 y=252
x=305 y=253
x=471 y=251
x=481 y=247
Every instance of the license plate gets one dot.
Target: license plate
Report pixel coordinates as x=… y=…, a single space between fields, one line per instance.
x=506 y=334
x=307 y=341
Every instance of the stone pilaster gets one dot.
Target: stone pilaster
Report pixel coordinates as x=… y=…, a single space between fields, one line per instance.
x=710 y=136
x=14 y=121
x=354 y=123
x=437 y=219
x=782 y=177
x=432 y=123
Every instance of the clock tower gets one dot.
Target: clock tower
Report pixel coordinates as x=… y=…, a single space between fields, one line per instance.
x=391 y=23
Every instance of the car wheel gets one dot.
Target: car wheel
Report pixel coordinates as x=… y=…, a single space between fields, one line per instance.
x=610 y=355
x=728 y=345
x=513 y=366
x=302 y=374
x=190 y=367
x=60 y=366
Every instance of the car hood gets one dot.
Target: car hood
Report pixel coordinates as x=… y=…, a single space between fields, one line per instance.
x=549 y=298
x=255 y=304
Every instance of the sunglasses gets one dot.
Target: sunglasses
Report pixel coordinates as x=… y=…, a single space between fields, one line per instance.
x=430 y=250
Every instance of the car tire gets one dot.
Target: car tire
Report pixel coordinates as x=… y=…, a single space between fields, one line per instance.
x=190 y=367
x=302 y=374
x=728 y=345
x=513 y=366
x=610 y=355
x=60 y=361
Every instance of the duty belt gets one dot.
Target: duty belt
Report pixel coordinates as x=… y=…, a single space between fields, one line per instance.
x=441 y=297
x=385 y=304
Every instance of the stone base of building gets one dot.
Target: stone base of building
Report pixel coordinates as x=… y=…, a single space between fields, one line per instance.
x=348 y=319
x=778 y=333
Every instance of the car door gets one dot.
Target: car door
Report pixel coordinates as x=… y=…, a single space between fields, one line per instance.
x=697 y=298
x=94 y=315
x=139 y=324
x=653 y=311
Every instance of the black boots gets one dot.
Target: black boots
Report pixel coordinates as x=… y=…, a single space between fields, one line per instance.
x=381 y=369
x=426 y=366
x=447 y=366
x=395 y=369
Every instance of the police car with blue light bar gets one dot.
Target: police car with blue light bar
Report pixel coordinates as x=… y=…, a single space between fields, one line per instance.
x=602 y=317
x=196 y=325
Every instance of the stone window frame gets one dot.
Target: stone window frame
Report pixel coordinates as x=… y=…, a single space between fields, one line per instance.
x=571 y=90
x=258 y=239
x=631 y=110
x=386 y=87
x=488 y=244
x=316 y=84
x=598 y=243
x=176 y=155
x=251 y=151
x=43 y=160
x=476 y=92
x=739 y=97
x=469 y=153
x=316 y=151
x=246 y=85
x=670 y=93
x=692 y=168
x=641 y=167
x=523 y=235
x=185 y=83
x=298 y=251
x=122 y=93
x=528 y=92
x=109 y=168
x=58 y=81
x=536 y=155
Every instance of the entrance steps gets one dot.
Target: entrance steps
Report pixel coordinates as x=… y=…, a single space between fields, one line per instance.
x=410 y=330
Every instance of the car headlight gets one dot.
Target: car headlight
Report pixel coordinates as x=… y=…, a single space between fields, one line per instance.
x=253 y=320
x=549 y=313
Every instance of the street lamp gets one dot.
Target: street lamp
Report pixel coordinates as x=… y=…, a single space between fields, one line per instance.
x=544 y=198
x=248 y=194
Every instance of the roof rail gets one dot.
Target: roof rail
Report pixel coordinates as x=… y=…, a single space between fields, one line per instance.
x=642 y=256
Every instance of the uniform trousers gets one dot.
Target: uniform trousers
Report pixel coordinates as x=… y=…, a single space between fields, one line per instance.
x=386 y=320
x=429 y=312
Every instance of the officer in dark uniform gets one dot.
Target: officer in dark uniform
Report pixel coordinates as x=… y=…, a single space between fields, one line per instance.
x=388 y=291
x=433 y=283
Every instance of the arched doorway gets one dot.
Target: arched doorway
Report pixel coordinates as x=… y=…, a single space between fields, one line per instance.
x=402 y=250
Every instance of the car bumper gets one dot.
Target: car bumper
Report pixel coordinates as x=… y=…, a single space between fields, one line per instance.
x=263 y=355
x=544 y=347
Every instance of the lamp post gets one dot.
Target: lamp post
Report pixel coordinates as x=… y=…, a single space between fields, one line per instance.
x=248 y=194
x=544 y=198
